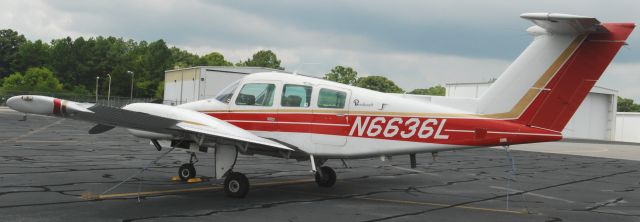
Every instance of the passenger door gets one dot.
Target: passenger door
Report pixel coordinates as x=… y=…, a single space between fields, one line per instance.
x=330 y=116
x=294 y=113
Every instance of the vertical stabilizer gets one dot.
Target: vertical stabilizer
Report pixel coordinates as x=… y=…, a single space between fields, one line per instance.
x=545 y=85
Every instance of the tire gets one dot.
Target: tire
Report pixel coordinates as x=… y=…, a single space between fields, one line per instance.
x=236 y=185
x=186 y=172
x=326 y=177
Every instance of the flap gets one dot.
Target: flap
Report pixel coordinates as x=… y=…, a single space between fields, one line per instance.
x=229 y=132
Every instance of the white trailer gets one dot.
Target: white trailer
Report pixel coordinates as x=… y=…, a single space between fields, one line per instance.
x=628 y=127
x=201 y=82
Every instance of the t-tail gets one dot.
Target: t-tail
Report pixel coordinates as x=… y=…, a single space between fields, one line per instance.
x=546 y=84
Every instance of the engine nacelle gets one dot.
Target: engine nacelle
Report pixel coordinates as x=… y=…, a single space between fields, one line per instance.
x=189 y=145
x=44 y=105
x=150 y=135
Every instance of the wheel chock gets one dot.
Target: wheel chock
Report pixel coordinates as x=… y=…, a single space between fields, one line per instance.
x=175 y=178
x=194 y=180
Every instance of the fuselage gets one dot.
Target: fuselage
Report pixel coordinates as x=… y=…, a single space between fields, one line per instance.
x=329 y=119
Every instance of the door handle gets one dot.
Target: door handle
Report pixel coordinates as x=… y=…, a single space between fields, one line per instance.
x=271 y=119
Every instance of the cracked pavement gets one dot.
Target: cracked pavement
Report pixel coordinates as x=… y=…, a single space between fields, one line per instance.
x=47 y=164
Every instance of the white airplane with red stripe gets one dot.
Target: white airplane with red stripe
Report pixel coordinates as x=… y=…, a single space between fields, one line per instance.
x=305 y=118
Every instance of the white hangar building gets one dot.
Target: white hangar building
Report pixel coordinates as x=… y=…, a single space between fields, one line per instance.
x=594 y=119
x=201 y=82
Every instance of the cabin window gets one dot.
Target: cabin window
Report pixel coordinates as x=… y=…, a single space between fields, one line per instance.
x=296 y=96
x=329 y=98
x=256 y=94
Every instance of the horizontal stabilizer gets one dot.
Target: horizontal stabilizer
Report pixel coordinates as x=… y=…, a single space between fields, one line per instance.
x=564 y=23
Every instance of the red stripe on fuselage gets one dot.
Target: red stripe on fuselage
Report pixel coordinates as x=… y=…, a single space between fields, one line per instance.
x=454 y=131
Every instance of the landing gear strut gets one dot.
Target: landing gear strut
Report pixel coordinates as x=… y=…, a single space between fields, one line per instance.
x=188 y=170
x=235 y=184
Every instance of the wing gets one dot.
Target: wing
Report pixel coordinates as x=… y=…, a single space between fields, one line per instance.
x=154 y=118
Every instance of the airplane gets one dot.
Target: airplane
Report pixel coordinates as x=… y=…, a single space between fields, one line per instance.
x=311 y=119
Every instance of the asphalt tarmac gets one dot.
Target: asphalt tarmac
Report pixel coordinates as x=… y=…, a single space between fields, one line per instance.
x=52 y=170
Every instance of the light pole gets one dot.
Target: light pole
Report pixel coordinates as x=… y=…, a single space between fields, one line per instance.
x=109 y=91
x=132 y=75
x=97 y=78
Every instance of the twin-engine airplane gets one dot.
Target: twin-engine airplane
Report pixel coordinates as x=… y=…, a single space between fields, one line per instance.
x=305 y=118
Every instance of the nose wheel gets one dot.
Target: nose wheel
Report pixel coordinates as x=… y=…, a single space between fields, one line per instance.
x=236 y=185
x=325 y=177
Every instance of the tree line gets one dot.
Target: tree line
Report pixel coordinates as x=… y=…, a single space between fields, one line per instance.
x=72 y=65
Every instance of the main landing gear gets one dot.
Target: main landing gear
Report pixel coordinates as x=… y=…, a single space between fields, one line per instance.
x=235 y=184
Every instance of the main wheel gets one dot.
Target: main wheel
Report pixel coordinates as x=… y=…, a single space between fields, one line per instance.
x=326 y=177
x=236 y=185
x=187 y=171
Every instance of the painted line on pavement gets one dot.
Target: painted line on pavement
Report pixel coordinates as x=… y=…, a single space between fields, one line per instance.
x=90 y=196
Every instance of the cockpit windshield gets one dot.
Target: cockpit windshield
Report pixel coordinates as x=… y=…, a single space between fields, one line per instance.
x=225 y=94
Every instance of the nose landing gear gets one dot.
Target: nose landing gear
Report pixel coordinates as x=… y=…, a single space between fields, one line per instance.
x=325 y=177
x=236 y=185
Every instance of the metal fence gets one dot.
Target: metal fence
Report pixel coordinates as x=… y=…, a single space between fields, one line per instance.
x=114 y=101
x=173 y=102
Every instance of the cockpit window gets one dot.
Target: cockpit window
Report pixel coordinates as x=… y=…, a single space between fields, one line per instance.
x=256 y=94
x=225 y=94
x=296 y=96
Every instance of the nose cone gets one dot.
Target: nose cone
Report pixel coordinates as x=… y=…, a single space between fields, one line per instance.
x=14 y=103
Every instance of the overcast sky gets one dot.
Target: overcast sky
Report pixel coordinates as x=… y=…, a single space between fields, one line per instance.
x=416 y=43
